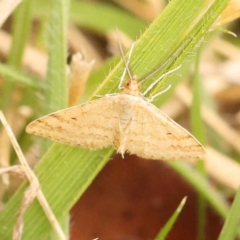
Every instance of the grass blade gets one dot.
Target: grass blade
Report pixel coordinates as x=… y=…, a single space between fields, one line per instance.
x=232 y=223
x=57 y=91
x=168 y=226
x=131 y=25
x=198 y=130
x=56 y=94
x=15 y=76
x=22 y=17
x=202 y=186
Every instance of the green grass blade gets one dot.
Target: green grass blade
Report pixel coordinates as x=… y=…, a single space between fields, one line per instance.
x=90 y=12
x=65 y=224
x=56 y=94
x=202 y=213
x=57 y=90
x=61 y=188
x=197 y=123
x=232 y=223
x=168 y=226
x=179 y=39
x=198 y=130
x=66 y=172
x=21 y=17
x=15 y=76
x=201 y=185
x=98 y=16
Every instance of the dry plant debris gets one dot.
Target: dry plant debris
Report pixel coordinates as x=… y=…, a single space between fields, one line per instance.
x=32 y=191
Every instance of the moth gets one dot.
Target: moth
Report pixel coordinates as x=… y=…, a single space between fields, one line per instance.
x=126 y=121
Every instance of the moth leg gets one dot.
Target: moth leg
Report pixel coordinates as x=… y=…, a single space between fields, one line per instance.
x=122 y=142
x=158 y=94
x=123 y=137
x=161 y=77
x=107 y=95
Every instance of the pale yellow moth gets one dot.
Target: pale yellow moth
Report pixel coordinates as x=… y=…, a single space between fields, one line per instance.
x=126 y=121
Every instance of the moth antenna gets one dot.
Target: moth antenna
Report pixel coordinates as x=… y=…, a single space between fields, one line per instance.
x=126 y=62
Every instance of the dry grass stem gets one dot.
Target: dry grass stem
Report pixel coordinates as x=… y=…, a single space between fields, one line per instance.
x=80 y=70
x=6 y=8
x=211 y=118
x=227 y=49
x=231 y=13
x=33 y=191
x=173 y=107
x=22 y=114
x=222 y=128
x=238 y=117
x=17 y=170
x=29 y=195
x=223 y=77
x=223 y=169
x=230 y=71
x=5 y=148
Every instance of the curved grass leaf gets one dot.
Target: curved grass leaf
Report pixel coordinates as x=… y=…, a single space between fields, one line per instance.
x=89 y=13
x=201 y=185
x=21 y=17
x=231 y=226
x=198 y=130
x=169 y=224
x=16 y=76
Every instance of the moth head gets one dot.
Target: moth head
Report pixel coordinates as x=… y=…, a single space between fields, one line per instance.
x=132 y=86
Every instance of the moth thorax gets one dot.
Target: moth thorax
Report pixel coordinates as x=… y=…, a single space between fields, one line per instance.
x=132 y=87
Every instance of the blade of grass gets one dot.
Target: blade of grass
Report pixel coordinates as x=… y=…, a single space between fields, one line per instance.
x=57 y=81
x=74 y=169
x=22 y=17
x=58 y=189
x=16 y=76
x=98 y=16
x=198 y=130
x=231 y=226
x=65 y=226
x=57 y=89
x=197 y=124
x=168 y=226
x=7 y=8
x=56 y=94
x=202 y=186
x=129 y=24
x=186 y=37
